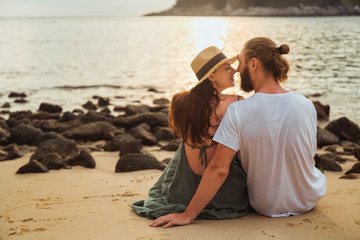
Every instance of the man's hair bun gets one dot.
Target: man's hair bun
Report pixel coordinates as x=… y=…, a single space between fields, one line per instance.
x=283 y=49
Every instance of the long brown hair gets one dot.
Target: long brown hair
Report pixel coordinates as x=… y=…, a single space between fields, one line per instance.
x=190 y=112
x=270 y=56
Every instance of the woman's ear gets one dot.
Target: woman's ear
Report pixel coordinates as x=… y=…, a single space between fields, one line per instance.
x=212 y=78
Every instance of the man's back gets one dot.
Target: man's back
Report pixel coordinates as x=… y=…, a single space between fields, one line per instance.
x=276 y=135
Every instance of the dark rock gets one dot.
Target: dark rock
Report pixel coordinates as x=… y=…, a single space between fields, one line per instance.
x=20 y=114
x=333 y=156
x=24 y=134
x=136 y=109
x=83 y=159
x=350 y=176
x=163 y=109
x=350 y=147
x=344 y=129
x=4 y=112
x=91 y=132
x=53 y=125
x=119 y=109
x=137 y=161
x=17 y=95
x=64 y=147
x=78 y=112
x=152 y=89
x=4 y=141
x=46 y=136
x=32 y=166
x=133 y=146
x=92 y=116
x=19 y=117
x=356 y=153
x=172 y=146
x=4 y=133
x=54 y=161
x=6 y=105
x=331 y=148
x=67 y=116
x=349 y=144
x=163 y=133
x=115 y=143
x=89 y=106
x=14 y=151
x=20 y=100
x=140 y=133
x=315 y=95
x=41 y=115
x=161 y=101
x=103 y=102
x=105 y=110
x=355 y=169
x=51 y=108
x=325 y=137
x=145 y=126
x=119 y=131
x=3 y=125
x=327 y=164
x=322 y=111
x=166 y=160
x=154 y=119
x=3 y=156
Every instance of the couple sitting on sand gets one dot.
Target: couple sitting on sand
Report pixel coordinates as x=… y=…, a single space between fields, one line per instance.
x=238 y=153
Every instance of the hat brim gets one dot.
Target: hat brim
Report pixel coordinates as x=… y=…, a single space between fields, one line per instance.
x=231 y=61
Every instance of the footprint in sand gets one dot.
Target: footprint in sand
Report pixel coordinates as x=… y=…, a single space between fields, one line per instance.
x=24 y=230
x=306 y=220
x=125 y=194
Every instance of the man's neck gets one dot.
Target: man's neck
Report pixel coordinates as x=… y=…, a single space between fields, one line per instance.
x=269 y=86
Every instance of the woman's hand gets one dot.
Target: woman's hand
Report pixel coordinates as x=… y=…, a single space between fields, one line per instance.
x=171 y=220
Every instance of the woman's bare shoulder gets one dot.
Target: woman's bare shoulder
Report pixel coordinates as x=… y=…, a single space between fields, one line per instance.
x=232 y=98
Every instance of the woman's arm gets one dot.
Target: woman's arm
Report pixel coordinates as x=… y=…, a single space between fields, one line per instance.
x=214 y=176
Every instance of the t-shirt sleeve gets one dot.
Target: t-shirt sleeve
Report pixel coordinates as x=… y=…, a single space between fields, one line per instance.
x=228 y=132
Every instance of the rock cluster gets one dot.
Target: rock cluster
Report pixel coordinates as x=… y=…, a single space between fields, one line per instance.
x=59 y=139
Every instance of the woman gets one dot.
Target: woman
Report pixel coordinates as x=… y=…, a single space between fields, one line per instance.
x=194 y=117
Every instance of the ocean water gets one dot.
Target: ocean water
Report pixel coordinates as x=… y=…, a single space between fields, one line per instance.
x=67 y=61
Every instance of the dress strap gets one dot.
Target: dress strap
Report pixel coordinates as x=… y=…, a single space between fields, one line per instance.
x=202 y=154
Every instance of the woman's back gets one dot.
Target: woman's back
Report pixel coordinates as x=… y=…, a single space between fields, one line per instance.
x=193 y=152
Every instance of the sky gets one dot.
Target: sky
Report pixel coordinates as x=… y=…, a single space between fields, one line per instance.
x=41 y=8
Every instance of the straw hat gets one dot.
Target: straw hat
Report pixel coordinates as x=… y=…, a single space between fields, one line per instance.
x=207 y=61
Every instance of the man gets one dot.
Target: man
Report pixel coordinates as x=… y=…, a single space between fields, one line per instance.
x=275 y=132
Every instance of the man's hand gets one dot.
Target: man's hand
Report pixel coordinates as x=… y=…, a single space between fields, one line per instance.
x=171 y=220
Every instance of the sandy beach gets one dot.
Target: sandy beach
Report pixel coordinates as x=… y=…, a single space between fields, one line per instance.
x=94 y=204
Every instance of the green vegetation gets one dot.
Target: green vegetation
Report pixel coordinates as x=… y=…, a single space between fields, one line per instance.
x=219 y=4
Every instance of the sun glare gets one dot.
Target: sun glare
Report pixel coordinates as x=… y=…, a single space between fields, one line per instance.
x=209 y=32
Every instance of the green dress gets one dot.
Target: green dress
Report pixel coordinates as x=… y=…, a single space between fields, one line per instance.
x=177 y=185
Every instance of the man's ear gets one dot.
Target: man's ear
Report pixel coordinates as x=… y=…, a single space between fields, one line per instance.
x=254 y=64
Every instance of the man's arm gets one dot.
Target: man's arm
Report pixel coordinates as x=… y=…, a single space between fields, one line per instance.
x=212 y=179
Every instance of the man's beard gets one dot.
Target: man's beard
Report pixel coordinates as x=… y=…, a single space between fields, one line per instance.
x=246 y=84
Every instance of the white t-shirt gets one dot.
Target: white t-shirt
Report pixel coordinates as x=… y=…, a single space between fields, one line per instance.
x=276 y=137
